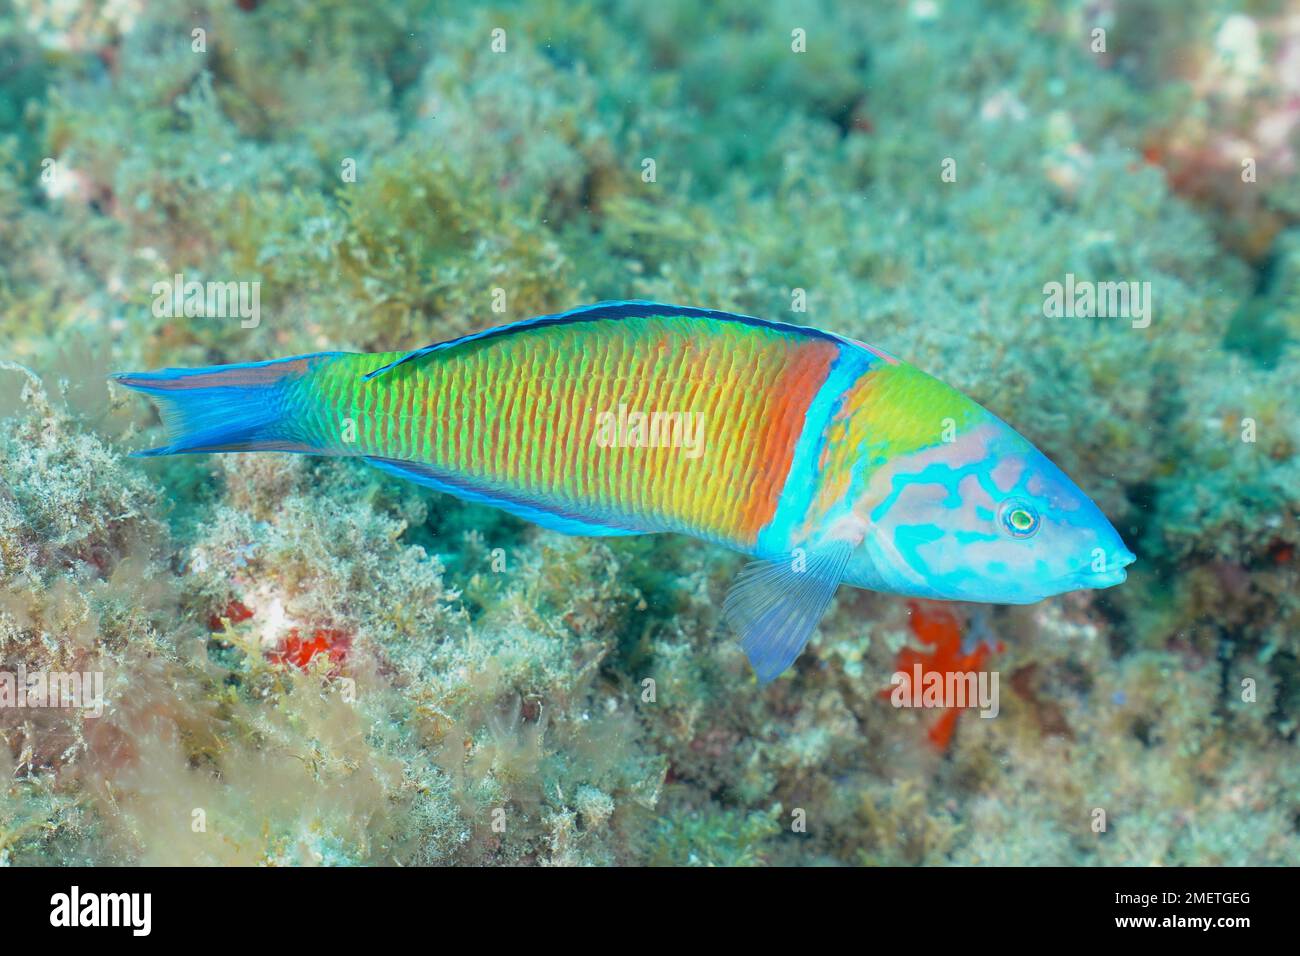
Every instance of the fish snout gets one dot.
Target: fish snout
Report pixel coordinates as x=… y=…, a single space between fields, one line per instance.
x=1112 y=574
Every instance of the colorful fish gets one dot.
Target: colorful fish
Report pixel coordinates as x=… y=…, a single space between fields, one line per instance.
x=824 y=459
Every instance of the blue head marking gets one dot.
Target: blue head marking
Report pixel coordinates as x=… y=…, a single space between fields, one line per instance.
x=987 y=518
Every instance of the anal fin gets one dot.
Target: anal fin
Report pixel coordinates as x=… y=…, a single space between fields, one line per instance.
x=515 y=504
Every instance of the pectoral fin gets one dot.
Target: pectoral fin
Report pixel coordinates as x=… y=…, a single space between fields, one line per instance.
x=775 y=605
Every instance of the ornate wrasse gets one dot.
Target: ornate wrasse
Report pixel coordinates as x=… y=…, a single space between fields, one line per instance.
x=824 y=459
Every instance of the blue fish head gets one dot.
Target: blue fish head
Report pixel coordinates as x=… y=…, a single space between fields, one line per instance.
x=985 y=517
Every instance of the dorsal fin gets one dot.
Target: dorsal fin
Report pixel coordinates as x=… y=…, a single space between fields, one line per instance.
x=629 y=309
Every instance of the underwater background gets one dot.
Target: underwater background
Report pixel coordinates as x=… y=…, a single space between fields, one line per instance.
x=308 y=662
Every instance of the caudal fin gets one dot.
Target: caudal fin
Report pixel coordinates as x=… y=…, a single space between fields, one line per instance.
x=244 y=407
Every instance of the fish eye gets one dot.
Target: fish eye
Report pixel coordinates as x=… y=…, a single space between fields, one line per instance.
x=1019 y=518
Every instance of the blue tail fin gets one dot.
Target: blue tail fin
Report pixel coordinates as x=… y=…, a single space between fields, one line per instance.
x=225 y=407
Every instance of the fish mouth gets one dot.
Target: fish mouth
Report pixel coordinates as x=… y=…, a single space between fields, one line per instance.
x=1112 y=574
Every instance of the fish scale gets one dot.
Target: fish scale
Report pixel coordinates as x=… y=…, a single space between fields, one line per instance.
x=474 y=403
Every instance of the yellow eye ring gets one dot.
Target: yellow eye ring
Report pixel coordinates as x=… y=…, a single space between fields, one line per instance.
x=1019 y=518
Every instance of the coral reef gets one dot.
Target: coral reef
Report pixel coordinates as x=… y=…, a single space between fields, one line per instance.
x=307 y=662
